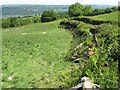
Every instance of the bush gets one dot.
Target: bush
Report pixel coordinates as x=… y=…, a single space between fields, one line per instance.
x=6 y=23
x=36 y=19
x=94 y=22
x=19 y=21
x=108 y=10
x=114 y=8
x=16 y=23
x=63 y=15
x=69 y=24
x=49 y=15
x=88 y=10
x=98 y=11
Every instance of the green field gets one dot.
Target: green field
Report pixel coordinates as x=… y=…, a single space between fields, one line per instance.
x=42 y=55
x=34 y=56
x=111 y=16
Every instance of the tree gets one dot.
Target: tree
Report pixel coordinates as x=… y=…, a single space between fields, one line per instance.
x=119 y=8
x=88 y=10
x=63 y=15
x=114 y=8
x=75 y=10
x=98 y=11
x=49 y=15
x=108 y=10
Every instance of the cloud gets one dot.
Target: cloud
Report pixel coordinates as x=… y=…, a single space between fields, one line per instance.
x=59 y=2
x=103 y=2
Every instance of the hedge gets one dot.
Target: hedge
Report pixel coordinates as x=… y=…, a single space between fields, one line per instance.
x=94 y=22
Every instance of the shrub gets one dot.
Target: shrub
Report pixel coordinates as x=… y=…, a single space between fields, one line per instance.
x=108 y=10
x=36 y=19
x=88 y=10
x=94 y=22
x=69 y=24
x=98 y=11
x=49 y=15
x=19 y=21
x=6 y=23
x=114 y=8
x=63 y=15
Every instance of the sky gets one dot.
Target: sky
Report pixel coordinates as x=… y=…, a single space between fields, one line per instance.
x=60 y=2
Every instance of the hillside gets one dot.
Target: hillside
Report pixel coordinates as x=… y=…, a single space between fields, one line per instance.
x=34 y=56
x=105 y=17
x=51 y=51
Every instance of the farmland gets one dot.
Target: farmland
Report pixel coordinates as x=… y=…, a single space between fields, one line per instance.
x=112 y=16
x=34 y=56
x=55 y=50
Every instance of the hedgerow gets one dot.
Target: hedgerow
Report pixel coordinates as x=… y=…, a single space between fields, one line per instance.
x=94 y=22
x=19 y=21
x=102 y=65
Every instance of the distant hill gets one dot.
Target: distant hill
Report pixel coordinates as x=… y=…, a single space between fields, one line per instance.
x=22 y=10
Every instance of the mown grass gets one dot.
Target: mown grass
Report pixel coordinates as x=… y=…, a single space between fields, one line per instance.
x=34 y=56
x=110 y=16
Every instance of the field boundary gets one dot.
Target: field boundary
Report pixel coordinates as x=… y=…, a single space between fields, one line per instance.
x=95 y=22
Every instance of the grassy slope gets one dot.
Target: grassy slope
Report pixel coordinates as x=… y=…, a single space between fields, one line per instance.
x=111 y=16
x=35 y=59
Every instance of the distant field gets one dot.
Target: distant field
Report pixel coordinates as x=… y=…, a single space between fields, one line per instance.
x=111 y=16
x=34 y=56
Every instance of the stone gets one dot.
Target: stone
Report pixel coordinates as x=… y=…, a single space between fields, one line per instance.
x=10 y=78
x=86 y=83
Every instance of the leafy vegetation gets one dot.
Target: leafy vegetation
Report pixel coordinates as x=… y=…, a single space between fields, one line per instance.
x=49 y=15
x=19 y=21
x=88 y=10
x=76 y=10
x=98 y=60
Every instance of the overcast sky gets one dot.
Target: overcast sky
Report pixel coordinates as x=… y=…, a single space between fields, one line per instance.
x=59 y=2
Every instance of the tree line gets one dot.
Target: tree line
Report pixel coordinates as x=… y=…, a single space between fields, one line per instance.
x=78 y=9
